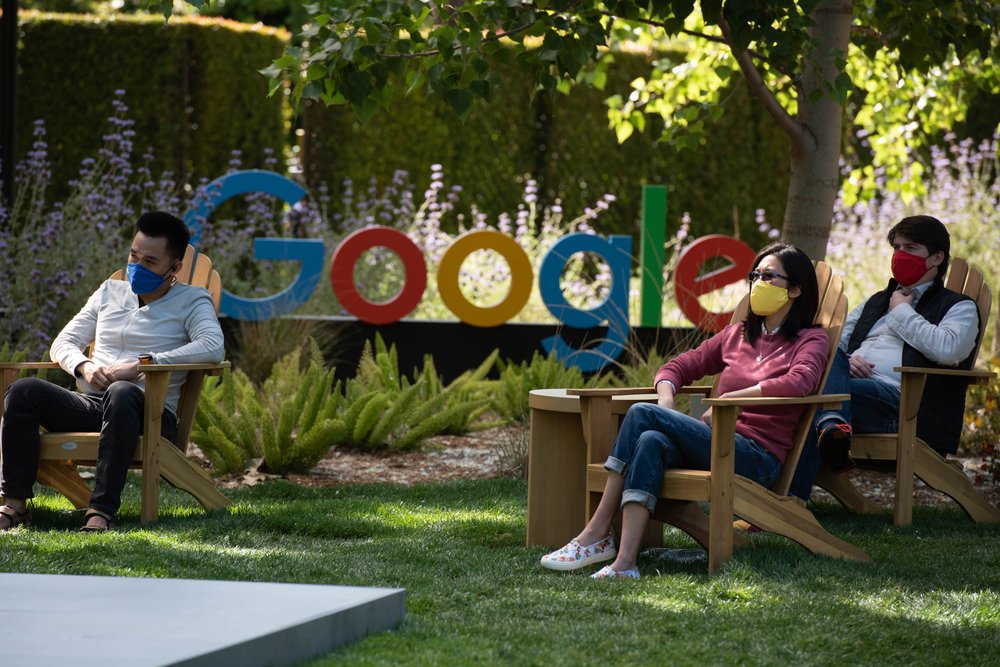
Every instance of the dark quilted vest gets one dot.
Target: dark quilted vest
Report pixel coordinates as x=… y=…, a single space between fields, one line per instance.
x=942 y=407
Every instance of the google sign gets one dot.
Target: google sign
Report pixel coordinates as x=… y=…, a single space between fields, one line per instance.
x=616 y=250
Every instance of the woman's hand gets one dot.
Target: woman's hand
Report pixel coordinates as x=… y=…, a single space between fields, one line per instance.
x=665 y=395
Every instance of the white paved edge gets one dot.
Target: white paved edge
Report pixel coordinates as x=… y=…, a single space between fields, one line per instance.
x=82 y=619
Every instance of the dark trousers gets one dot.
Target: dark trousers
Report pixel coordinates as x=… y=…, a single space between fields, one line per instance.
x=31 y=404
x=873 y=408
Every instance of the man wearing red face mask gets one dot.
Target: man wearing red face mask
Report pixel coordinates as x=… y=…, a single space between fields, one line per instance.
x=914 y=321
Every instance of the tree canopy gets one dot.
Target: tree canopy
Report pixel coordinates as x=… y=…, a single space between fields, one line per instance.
x=806 y=62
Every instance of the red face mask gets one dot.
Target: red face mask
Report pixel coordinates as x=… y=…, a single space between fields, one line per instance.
x=908 y=269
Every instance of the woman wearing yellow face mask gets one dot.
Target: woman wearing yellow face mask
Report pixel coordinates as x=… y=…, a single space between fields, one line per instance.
x=776 y=351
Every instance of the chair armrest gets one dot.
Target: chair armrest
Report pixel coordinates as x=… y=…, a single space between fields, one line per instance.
x=818 y=399
x=27 y=365
x=162 y=368
x=633 y=391
x=610 y=391
x=972 y=376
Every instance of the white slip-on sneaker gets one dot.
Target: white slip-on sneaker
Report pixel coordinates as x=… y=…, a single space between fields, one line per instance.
x=573 y=556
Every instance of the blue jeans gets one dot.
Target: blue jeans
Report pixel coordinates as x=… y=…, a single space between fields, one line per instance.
x=653 y=439
x=873 y=408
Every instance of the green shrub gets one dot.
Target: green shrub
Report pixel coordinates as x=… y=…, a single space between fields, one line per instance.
x=385 y=409
x=15 y=356
x=192 y=86
x=296 y=416
x=258 y=345
x=510 y=399
x=292 y=427
x=981 y=435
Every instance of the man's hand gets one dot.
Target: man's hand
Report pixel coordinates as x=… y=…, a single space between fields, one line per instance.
x=860 y=367
x=101 y=377
x=900 y=296
x=125 y=371
x=665 y=395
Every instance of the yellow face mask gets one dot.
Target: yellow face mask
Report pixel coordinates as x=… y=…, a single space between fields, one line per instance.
x=767 y=299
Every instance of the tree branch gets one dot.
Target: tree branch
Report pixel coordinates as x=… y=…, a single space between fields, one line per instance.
x=490 y=38
x=870 y=32
x=759 y=89
x=756 y=55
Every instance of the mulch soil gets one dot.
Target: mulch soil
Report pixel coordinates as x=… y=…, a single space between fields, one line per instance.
x=485 y=454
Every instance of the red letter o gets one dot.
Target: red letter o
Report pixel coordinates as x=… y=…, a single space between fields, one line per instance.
x=347 y=255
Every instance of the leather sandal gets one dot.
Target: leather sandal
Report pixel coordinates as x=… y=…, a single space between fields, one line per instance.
x=108 y=518
x=14 y=517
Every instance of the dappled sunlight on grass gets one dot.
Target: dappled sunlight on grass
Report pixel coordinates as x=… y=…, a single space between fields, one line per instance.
x=476 y=594
x=944 y=608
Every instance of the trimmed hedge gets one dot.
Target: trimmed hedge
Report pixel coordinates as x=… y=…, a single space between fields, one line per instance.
x=487 y=153
x=192 y=88
x=564 y=141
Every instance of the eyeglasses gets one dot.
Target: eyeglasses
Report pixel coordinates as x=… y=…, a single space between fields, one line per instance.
x=766 y=275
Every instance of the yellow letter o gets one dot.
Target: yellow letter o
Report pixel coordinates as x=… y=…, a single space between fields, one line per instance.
x=521 y=277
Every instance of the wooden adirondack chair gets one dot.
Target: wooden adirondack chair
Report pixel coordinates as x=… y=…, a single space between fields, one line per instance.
x=728 y=494
x=157 y=457
x=911 y=455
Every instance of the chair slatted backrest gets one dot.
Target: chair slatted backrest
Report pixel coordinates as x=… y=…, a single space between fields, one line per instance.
x=830 y=314
x=968 y=280
x=197 y=270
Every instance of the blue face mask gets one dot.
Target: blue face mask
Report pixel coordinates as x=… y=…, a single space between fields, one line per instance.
x=143 y=280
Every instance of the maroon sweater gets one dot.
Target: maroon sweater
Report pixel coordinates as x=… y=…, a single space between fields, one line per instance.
x=787 y=368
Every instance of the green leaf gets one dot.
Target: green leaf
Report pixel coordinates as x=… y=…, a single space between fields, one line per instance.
x=723 y=72
x=272 y=71
x=623 y=131
x=480 y=66
x=373 y=31
x=459 y=100
x=480 y=88
x=357 y=87
x=687 y=113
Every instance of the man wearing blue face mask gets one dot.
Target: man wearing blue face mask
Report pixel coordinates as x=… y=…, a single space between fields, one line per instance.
x=151 y=315
x=914 y=321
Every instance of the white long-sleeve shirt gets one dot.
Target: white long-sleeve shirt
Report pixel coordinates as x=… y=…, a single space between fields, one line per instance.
x=947 y=343
x=179 y=327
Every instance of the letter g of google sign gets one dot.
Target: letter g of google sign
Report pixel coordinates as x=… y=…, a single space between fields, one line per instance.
x=307 y=251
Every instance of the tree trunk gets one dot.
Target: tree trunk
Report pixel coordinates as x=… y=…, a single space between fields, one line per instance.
x=815 y=153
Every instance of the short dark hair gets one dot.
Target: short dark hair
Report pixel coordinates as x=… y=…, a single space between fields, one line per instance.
x=158 y=224
x=925 y=230
x=802 y=274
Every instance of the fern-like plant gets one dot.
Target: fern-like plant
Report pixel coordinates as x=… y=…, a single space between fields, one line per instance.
x=510 y=400
x=292 y=427
x=296 y=416
x=386 y=410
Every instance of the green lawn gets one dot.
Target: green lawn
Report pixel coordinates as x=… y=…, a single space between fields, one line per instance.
x=476 y=594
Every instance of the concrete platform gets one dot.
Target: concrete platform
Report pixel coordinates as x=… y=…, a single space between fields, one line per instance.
x=62 y=620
